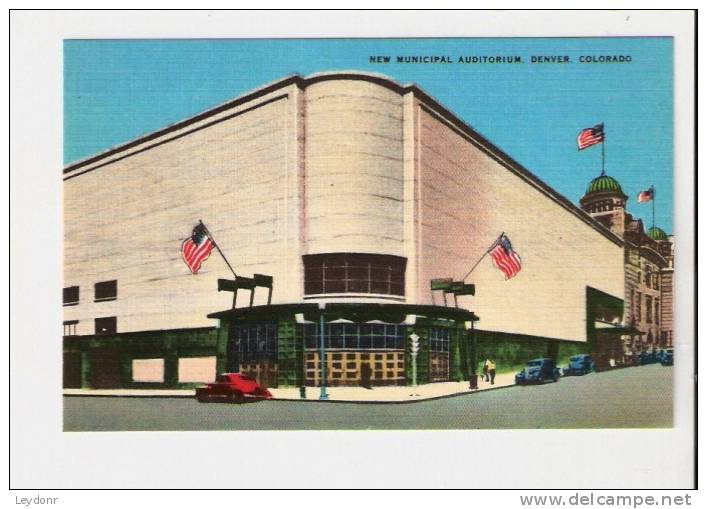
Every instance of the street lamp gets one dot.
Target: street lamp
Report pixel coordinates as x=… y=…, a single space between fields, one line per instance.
x=299 y=318
x=322 y=357
x=473 y=382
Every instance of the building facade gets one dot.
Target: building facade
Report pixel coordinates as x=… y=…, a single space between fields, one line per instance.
x=352 y=192
x=648 y=265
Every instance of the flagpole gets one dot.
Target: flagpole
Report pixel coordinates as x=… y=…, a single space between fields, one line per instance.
x=653 y=200
x=218 y=248
x=482 y=257
x=603 y=142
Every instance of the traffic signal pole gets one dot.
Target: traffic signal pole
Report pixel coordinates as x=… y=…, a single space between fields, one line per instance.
x=414 y=349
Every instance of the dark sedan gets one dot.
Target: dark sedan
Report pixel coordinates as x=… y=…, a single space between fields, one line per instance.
x=666 y=359
x=579 y=365
x=538 y=371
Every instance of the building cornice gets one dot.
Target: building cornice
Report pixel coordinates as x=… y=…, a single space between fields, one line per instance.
x=653 y=255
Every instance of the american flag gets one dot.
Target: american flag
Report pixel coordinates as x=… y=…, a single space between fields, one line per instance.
x=504 y=258
x=197 y=248
x=590 y=136
x=645 y=196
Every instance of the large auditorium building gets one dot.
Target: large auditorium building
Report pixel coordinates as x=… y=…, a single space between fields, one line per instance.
x=354 y=194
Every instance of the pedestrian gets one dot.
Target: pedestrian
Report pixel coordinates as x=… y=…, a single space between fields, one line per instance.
x=486 y=370
x=492 y=370
x=365 y=375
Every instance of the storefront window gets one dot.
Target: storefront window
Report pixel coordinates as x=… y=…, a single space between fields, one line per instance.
x=439 y=339
x=354 y=273
x=255 y=341
x=355 y=336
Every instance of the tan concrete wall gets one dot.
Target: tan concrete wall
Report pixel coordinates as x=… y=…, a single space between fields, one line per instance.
x=467 y=200
x=354 y=168
x=126 y=220
x=345 y=165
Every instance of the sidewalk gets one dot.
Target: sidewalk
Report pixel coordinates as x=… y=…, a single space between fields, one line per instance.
x=384 y=394
x=394 y=394
x=144 y=393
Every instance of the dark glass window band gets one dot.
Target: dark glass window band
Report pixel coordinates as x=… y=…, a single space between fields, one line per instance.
x=329 y=273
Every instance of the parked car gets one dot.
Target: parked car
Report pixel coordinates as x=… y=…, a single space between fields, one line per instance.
x=666 y=358
x=232 y=387
x=646 y=358
x=579 y=365
x=538 y=371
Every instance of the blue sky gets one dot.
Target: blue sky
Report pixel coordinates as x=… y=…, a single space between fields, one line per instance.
x=117 y=90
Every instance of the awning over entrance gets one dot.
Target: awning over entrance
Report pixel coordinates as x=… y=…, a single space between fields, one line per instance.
x=610 y=328
x=351 y=311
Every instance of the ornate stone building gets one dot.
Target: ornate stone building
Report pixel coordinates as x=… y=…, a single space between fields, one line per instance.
x=648 y=262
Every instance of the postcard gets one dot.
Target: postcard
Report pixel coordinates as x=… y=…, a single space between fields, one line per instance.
x=432 y=218
x=391 y=233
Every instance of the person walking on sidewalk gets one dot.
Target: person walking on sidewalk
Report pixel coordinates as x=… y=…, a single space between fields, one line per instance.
x=492 y=370
x=485 y=371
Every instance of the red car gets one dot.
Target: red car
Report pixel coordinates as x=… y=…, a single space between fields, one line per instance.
x=234 y=388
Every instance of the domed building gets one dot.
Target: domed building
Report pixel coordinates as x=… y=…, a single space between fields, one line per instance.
x=606 y=202
x=648 y=264
x=657 y=234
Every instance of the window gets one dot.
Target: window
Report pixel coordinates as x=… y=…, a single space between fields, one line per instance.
x=657 y=312
x=106 y=290
x=632 y=304
x=649 y=309
x=356 y=336
x=255 y=341
x=354 y=273
x=70 y=327
x=439 y=339
x=71 y=295
x=148 y=370
x=638 y=308
x=106 y=325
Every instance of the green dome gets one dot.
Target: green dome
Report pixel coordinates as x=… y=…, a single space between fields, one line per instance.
x=604 y=183
x=656 y=233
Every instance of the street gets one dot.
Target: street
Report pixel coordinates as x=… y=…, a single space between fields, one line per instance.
x=636 y=397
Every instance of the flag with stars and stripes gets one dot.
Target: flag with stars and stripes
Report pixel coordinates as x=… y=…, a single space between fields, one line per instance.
x=645 y=196
x=590 y=136
x=197 y=248
x=504 y=258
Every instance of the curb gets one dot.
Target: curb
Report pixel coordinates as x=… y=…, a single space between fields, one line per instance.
x=400 y=402
x=299 y=400
x=161 y=396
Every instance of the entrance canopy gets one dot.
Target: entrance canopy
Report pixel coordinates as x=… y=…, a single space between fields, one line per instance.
x=350 y=311
x=610 y=328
